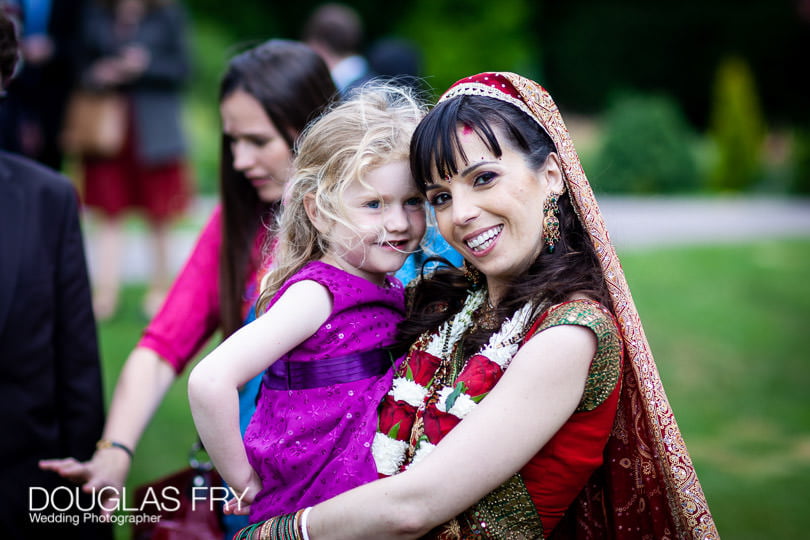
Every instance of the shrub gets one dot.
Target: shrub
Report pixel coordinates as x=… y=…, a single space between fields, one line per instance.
x=646 y=148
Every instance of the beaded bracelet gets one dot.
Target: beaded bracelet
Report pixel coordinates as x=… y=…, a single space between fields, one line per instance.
x=284 y=527
x=247 y=532
x=105 y=443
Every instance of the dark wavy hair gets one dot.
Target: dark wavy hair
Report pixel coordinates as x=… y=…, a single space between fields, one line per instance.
x=294 y=86
x=573 y=266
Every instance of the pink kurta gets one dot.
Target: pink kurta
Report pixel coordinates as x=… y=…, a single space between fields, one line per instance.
x=190 y=314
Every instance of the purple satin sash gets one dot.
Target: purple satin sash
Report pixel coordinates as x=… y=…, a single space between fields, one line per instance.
x=284 y=375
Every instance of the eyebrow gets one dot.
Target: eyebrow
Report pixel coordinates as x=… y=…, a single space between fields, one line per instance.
x=465 y=172
x=474 y=166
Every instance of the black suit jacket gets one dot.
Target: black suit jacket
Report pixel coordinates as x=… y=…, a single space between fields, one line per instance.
x=51 y=397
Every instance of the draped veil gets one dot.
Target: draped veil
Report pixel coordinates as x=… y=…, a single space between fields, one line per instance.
x=647 y=486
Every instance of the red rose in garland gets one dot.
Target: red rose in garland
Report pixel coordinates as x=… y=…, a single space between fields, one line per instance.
x=438 y=423
x=480 y=375
x=421 y=368
x=393 y=412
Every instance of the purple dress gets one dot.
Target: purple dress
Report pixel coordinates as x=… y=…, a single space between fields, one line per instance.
x=312 y=440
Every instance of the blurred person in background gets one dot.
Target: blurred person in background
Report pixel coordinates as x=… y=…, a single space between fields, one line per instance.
x=398 y=60
x=33 y=112
x=267 y=95
x=138 y=49
x=50 y=377
x=335 y=31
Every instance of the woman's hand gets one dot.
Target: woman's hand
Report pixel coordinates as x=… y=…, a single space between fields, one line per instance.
x=107 y=468
x=240 y=506
x=133 y=61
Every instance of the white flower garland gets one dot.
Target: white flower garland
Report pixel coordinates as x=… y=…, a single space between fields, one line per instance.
x=442 y=341
x=503 y=346
x=389 y=453
x=423 y=449
x=463 y=405
x=411 y=392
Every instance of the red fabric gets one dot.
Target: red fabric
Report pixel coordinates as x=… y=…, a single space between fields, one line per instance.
x=495 y=80
x=555 y=476
x=114 y=185
x=626 y=498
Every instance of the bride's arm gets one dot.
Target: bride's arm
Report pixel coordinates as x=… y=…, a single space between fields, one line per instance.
x=534 y=398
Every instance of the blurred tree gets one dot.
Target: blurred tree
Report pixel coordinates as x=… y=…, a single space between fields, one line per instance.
x=737 y=128
x=464 y=37
x=583 y=51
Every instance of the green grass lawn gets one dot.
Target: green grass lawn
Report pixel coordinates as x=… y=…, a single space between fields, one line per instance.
x=725 y=324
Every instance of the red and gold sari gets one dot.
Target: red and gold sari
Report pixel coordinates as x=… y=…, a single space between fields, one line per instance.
x=641 y=482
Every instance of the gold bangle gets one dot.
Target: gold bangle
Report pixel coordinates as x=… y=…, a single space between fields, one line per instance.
x=264 y=530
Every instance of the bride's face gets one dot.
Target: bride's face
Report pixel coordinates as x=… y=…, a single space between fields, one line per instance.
x=491 y=211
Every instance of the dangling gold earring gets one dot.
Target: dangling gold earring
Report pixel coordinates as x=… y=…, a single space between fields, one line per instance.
x=551 y=222
x=473 y=275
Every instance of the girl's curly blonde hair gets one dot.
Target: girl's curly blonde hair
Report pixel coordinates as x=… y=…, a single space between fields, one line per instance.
x=372 y=128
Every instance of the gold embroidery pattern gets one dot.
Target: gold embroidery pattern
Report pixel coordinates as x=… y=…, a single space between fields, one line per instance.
x=606 y=365
x=507 y=513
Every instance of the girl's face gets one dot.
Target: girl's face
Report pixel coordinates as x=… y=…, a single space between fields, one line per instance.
x=491 y=211
x=259 y=151
x=387 y=217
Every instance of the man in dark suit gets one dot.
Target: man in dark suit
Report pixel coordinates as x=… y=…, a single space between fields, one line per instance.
x=50 y=378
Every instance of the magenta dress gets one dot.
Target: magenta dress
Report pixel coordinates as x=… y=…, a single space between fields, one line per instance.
x=310 y=437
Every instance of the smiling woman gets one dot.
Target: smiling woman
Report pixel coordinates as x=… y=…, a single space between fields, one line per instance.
x=534 y=354
x=488 y=211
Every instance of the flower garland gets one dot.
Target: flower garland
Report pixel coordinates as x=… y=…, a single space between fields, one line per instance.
x=419 y=390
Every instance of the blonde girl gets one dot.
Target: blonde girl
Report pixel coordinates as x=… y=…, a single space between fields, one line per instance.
x=351 y=215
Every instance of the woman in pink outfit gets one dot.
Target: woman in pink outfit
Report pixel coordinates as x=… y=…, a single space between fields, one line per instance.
x=267 y=96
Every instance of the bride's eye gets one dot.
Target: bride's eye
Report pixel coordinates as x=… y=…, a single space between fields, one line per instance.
x=439 y=199
x=484 y=178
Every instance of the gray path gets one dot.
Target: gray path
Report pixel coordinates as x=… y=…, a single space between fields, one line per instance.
x=634 y=223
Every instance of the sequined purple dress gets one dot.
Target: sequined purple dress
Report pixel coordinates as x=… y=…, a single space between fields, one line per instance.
x=310 y=444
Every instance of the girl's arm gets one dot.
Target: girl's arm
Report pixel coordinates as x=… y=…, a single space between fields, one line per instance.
x=534 y=398
x=213 y=384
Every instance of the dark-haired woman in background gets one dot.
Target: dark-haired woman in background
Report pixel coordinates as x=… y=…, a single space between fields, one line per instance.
x=267 y=96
